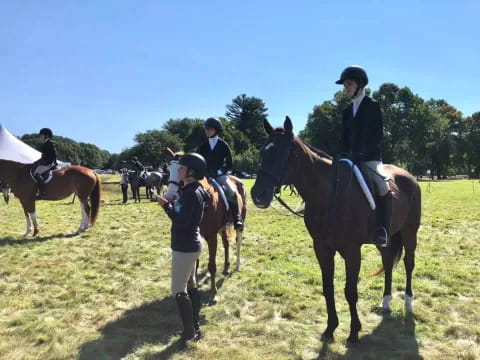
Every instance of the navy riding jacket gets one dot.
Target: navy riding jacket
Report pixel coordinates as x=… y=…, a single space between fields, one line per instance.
x=362 y=134
x=220 y=158
x=49 y=153
x=186 y=214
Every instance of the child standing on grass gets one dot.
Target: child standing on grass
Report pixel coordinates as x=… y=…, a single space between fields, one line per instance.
x=186 y=214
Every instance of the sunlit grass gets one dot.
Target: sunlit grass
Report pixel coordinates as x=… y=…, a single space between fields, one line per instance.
x=106 y=294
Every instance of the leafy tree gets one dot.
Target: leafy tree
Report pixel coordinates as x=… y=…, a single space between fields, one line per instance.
x=247 y=115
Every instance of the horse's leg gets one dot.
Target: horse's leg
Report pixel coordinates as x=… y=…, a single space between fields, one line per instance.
x=30 y=216
x=326 y=259
x=212 y=266
x=239 y=238
x=388 y=259
x=226 y=247
x=29 y=224
x=84 y=222
x=410 y=244
x=352 y=269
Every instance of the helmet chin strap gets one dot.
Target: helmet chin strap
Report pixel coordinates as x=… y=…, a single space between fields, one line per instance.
x=357 y=92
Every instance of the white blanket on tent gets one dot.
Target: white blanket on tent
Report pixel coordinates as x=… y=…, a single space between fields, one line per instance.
x=14 y=149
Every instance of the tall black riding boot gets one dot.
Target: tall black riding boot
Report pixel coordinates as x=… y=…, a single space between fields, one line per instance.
x=385 y=211
x=41 y=186
x=237 y=218
x=196 y=305
x=186 y=314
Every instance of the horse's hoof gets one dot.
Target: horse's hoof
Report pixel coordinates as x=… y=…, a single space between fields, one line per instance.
x=352 y=339
x=327 y=338
x=35 y=233
x=213 y=301
x=225 y=272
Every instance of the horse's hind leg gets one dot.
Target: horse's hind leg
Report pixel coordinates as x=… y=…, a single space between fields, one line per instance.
x=226 y=247
x=410 y=240
x=388 y=260
x=85 y=223
x=212 y=266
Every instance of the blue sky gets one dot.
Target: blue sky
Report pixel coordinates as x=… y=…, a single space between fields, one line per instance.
x=102 y=71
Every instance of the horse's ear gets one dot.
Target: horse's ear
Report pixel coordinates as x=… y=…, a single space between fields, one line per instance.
x=267 y=127
x=169 y=151
x=287 y=125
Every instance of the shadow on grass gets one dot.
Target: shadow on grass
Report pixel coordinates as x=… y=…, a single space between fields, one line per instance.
x=393 y=338
x=152 y=323
x=10 y=240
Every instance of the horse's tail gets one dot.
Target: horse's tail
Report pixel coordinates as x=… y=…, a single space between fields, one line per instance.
x=95 y=200
x=396 y=249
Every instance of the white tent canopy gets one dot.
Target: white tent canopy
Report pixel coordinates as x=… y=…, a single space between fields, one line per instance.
x=14 y=149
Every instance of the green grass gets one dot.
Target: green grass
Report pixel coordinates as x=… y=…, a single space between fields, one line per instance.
x=105 y=294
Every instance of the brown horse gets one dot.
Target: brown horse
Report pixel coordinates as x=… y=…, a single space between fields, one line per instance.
x=217 y=219
x=80 y=180
x=338 y=216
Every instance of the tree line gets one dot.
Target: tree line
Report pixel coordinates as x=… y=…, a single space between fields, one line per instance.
x=424 y=136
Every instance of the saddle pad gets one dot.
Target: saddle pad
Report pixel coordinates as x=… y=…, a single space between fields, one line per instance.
x=221 y=192
x=361 y=182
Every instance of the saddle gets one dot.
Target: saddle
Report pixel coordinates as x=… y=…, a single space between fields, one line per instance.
x=221 y=191
x=46 y=176
x=365 y=181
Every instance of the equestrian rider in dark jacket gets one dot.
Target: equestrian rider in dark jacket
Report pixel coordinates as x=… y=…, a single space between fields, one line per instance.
x=186 y=214
x=47 y=160
x=362 y=132
x=218 y=155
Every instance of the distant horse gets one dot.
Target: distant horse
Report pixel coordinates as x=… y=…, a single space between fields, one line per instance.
x=217 y=219
x=73 y=179
x=338 y=216
x=5 y=189
x=152 y=181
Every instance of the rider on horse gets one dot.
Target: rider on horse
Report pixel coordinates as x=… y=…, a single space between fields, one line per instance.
x=218 y=155
x=138 y=167
x=47 y=161
x=362 y=132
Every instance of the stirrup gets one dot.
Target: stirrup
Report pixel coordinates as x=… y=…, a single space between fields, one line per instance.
x=384 y=237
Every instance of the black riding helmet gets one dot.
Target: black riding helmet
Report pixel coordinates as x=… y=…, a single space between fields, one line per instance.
x=195 y=162
x=355 y=73
x=213 y=123
x=47 y=132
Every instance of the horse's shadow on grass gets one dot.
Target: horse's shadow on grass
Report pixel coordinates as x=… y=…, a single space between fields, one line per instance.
x=10 y=240
x=393 y=338
x=152 y=323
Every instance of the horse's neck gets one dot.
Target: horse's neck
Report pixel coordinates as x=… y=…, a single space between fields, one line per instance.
x=312 y=177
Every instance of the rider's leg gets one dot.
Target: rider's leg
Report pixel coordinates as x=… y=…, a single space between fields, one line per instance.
x=37 y=173
x=232 y=201
x=384 y=203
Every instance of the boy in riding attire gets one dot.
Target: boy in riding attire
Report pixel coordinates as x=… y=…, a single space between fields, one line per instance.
x=186 y=214
x=218 y=156
x=362 y=132
x=47 y=160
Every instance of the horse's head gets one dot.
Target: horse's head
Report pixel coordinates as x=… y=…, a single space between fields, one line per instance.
x=173 y=180
x=274 y=159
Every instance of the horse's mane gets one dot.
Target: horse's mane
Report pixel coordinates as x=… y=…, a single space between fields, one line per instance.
x=312 y=150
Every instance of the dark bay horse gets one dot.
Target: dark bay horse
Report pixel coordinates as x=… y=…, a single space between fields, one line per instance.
x=216 y=219
x=338 y=216
x=80 y=180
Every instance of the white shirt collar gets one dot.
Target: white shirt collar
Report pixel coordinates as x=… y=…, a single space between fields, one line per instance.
x=213 y=141
x=357 y=101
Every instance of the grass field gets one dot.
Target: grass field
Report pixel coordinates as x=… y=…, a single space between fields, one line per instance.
x=105 y=294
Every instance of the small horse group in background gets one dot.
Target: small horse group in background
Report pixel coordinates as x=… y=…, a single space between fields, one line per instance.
x=152 y=180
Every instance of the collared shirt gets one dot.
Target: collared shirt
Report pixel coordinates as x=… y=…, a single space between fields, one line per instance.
x=357 y=101
x=213 y=141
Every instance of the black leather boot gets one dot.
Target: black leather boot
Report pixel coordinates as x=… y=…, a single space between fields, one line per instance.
x=237 y=218
x=186 y=314
x=41 y=186
x=385 y=214
x=196 y=305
